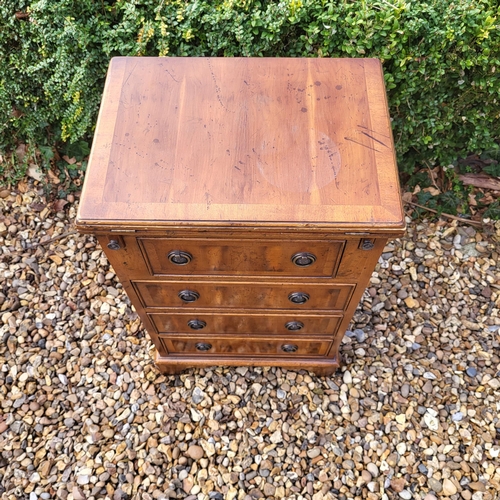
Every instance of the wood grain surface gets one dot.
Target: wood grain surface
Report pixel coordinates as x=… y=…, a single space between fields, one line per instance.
x=236 y=140
x=244 y=347
x=244 y=322
x=243 y=294
x=241 y=257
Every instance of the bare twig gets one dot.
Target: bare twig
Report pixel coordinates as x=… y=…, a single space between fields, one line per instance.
x=431 y=176
x=43 y=243
x=449 y=216
x=58 y=237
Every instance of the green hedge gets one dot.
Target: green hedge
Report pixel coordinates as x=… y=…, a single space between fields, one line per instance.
x=441 y=60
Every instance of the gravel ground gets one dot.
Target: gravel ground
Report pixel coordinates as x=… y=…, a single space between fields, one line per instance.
x=413 y=413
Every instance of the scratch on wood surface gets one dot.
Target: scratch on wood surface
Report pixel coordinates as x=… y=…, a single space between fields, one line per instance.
x=373 y=138
x=373 y=131
x=333 y=155
x=217 y=88
x=171 y=76
x=361 y=144
x=130 y=74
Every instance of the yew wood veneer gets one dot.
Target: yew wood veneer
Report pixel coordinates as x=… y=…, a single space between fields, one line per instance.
x=243 y=202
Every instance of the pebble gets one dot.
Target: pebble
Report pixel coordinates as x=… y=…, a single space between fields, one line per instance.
x=347 y=377
x=449 y=488
x=423 y=469
x=313 y=453
x=198 y=395
x=435 y=485
x=78 y=493
x=427 y=387
x=372 y=469
x=360 y=335
x=431 y=422
x=195 y=452
x=81 y=402
x=405 y=390
x=398 y=484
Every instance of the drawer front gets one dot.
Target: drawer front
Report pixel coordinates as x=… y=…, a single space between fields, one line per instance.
x=251 y=346
x=195 y=294
x=308 y=258
x=212 y=323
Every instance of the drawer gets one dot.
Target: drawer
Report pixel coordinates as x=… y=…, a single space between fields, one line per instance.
x=247 y=346
x=243 y=295
x=246 y=322
x=307 y=258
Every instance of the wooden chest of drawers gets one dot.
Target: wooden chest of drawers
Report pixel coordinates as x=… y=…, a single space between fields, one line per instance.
x=243 y=202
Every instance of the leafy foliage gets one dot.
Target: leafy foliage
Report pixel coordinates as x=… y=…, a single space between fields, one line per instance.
x=441 y=60
x=493 y=169
x=493 y=211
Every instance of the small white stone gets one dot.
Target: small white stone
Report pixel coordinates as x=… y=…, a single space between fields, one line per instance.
x=347 y=377
x=494 y=383
x=208 y=447
x=256 y=388
x=105 y=308
x=196 y=416
x=83 y=479
x=276 y=437
x=401 y=448
x=281 y=394
x=384 y=466
x=372 y=469
x=241 y=370
x=431 y=422
x=494 y=451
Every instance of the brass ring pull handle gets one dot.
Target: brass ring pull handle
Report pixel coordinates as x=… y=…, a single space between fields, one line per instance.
x=304 y=259
x=196 y=324
x=188 y=295
x=294 y=326
x=114 y=245
x=202 y=346
x=298 y=297
x=179 y=258
x=289 y=348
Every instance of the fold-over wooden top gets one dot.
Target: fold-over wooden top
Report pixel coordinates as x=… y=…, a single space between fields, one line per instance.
x=265 y=141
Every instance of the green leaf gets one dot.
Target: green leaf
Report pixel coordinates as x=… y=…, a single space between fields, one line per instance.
x=78 y=150
x=493 y=169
